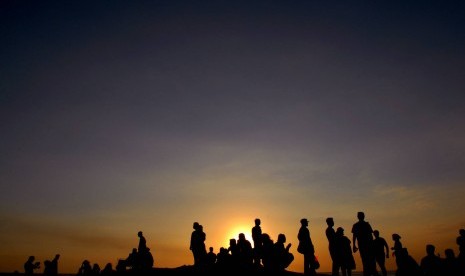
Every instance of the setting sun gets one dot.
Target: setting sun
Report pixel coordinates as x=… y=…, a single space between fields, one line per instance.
x=234 y=234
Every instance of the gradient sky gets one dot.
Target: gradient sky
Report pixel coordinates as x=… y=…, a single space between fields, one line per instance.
x=117 y=117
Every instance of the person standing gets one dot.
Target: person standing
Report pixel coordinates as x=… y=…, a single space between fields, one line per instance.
x=257 y=242
x=331 y=236
x=306 y=248
x=142 y=242
x=363 y=237
x=379 y=244
x=196 y=243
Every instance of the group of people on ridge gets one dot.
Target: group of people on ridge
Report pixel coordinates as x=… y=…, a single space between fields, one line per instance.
x=241 y=255
x=276 y=256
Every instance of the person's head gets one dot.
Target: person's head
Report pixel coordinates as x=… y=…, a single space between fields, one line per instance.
x=449 y=253
x=200 y=227
x=340 y=231
x=304 y=222
x=361 y=216
x=232 y=242
x=195 y=225
x=430 y=249
x=281 y=238
x=31 y=258
x=395 y=237
x=330 y=222
x=376 y=233
x=211 y=249
x=257 y=221
x=139 y=234
x=241 y=236
x=462 y=232
x=57 y=256
x=265 y=238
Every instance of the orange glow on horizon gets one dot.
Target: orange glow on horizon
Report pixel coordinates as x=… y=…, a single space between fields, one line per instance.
x=235 y=231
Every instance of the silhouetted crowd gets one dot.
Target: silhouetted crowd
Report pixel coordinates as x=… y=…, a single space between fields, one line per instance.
x=274 y=257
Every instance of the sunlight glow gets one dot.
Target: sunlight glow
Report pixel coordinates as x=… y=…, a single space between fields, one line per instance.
x=235 y=231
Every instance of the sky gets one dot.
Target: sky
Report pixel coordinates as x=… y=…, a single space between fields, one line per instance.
x=118 y=117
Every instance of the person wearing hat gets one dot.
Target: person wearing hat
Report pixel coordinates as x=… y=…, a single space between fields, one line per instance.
x=306 y=248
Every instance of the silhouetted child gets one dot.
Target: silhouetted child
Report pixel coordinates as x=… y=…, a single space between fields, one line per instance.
x=379 y=247
x=30 y=265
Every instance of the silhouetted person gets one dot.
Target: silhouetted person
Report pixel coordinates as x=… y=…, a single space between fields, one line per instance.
x=196 y=244
x=267 y=252
x=245 y=252
x=146 y=260
x=142 y=242
x=54 y=265
x=202 y=247
x=223 y=259
x=282 y=257
x=95 y=270
x=234 y=250
x=343 y=253
x=85 y=269
x=381 y=249
x=132 y=260
x=450 y=263
x=108 y=270
x=211 y=257
x=431 y=264
x=363 y=237
x=257 y=241
x=406 y=265
x=51 y=267
x=47 y=268
x=306 y=248
x=331 y=235
x=30 y=265
x=461 y=244
x=397 y=244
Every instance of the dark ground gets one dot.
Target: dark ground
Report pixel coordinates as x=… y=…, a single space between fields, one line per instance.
x=187 y=270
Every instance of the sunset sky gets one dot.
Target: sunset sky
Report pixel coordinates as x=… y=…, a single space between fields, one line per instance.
x=118 y=117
